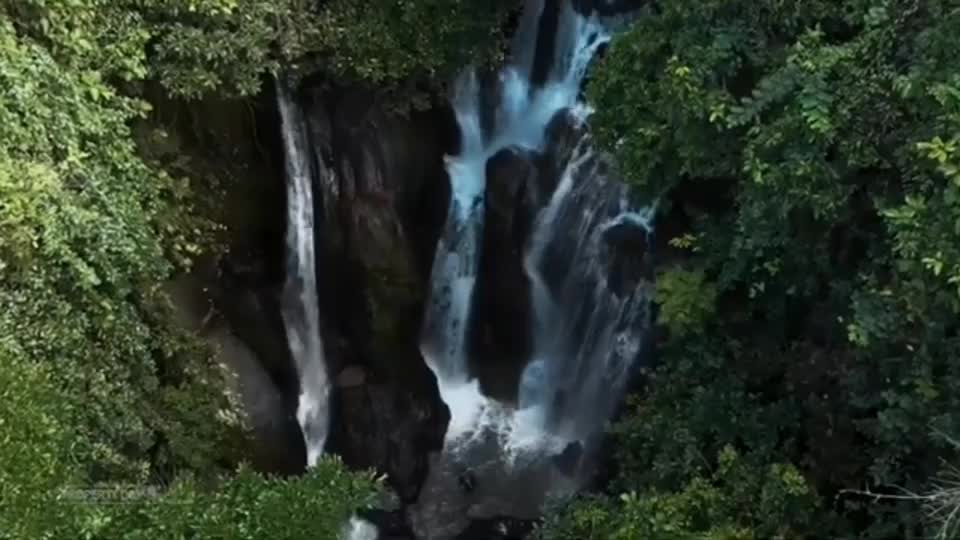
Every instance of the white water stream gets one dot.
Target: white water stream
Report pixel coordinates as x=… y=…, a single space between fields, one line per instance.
x=300 y=301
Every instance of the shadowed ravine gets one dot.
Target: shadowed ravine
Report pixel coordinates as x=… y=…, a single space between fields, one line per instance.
x=582 y=271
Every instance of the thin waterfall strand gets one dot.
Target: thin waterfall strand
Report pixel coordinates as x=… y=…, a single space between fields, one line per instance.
x=299 y=308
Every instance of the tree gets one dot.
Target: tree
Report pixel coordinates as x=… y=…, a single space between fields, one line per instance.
x=735 y=502
x=35 y=449
x=825 y=134
x=205 y=47
x=248 y=506
x=45 y=494
x=89 y=233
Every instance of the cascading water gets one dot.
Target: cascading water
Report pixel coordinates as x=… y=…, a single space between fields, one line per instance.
x=300 y=301
x=455 y=266
x=586 y=267
x=590 y=313
x=520 y=120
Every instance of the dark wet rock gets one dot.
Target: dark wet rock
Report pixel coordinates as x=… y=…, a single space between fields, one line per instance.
x=626 y=255
x=391 y=524
x=386 y=428
x=498 y=528
x=251 y=307
x=500 y=484
x=569 y=460
x=441 y=511
x=277 y=441
x=467 y=481
x=351 y=376
x=512 y=197
x=501 y=314
x=381 y=199
x=563 y=133
x=374 y=171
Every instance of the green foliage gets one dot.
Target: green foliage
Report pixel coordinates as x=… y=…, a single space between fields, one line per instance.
x=697 y=406
x=814 y=324
x=247 y=507
x=45 y=496
x=686 y=301
x=736 y=501
x=201 y=47
x=387 y=42
x=46 y=493
x=89 y=232
x=35 y=447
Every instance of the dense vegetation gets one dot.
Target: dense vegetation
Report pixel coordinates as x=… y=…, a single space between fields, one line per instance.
x=98 y=385
x=46 y=495
x=806 y=159
x=805 y=156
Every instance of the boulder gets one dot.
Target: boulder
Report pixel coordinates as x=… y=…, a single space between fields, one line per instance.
x=563 y=133
x=625 y=253
x=382 y=426
x=500 y=333
x=350 y=377
x=479 y=488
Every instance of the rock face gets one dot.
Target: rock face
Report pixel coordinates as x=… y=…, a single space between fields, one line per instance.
x=627 y=257
x=498 y=528
x=232 y=302
x=278 y=445
x=381 y=195
x=388 y=428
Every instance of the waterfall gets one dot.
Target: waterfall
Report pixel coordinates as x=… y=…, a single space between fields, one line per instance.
x=522 y=113
x=455 y=266
x=590 y=313
x=586 y=261
x=299 y=307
